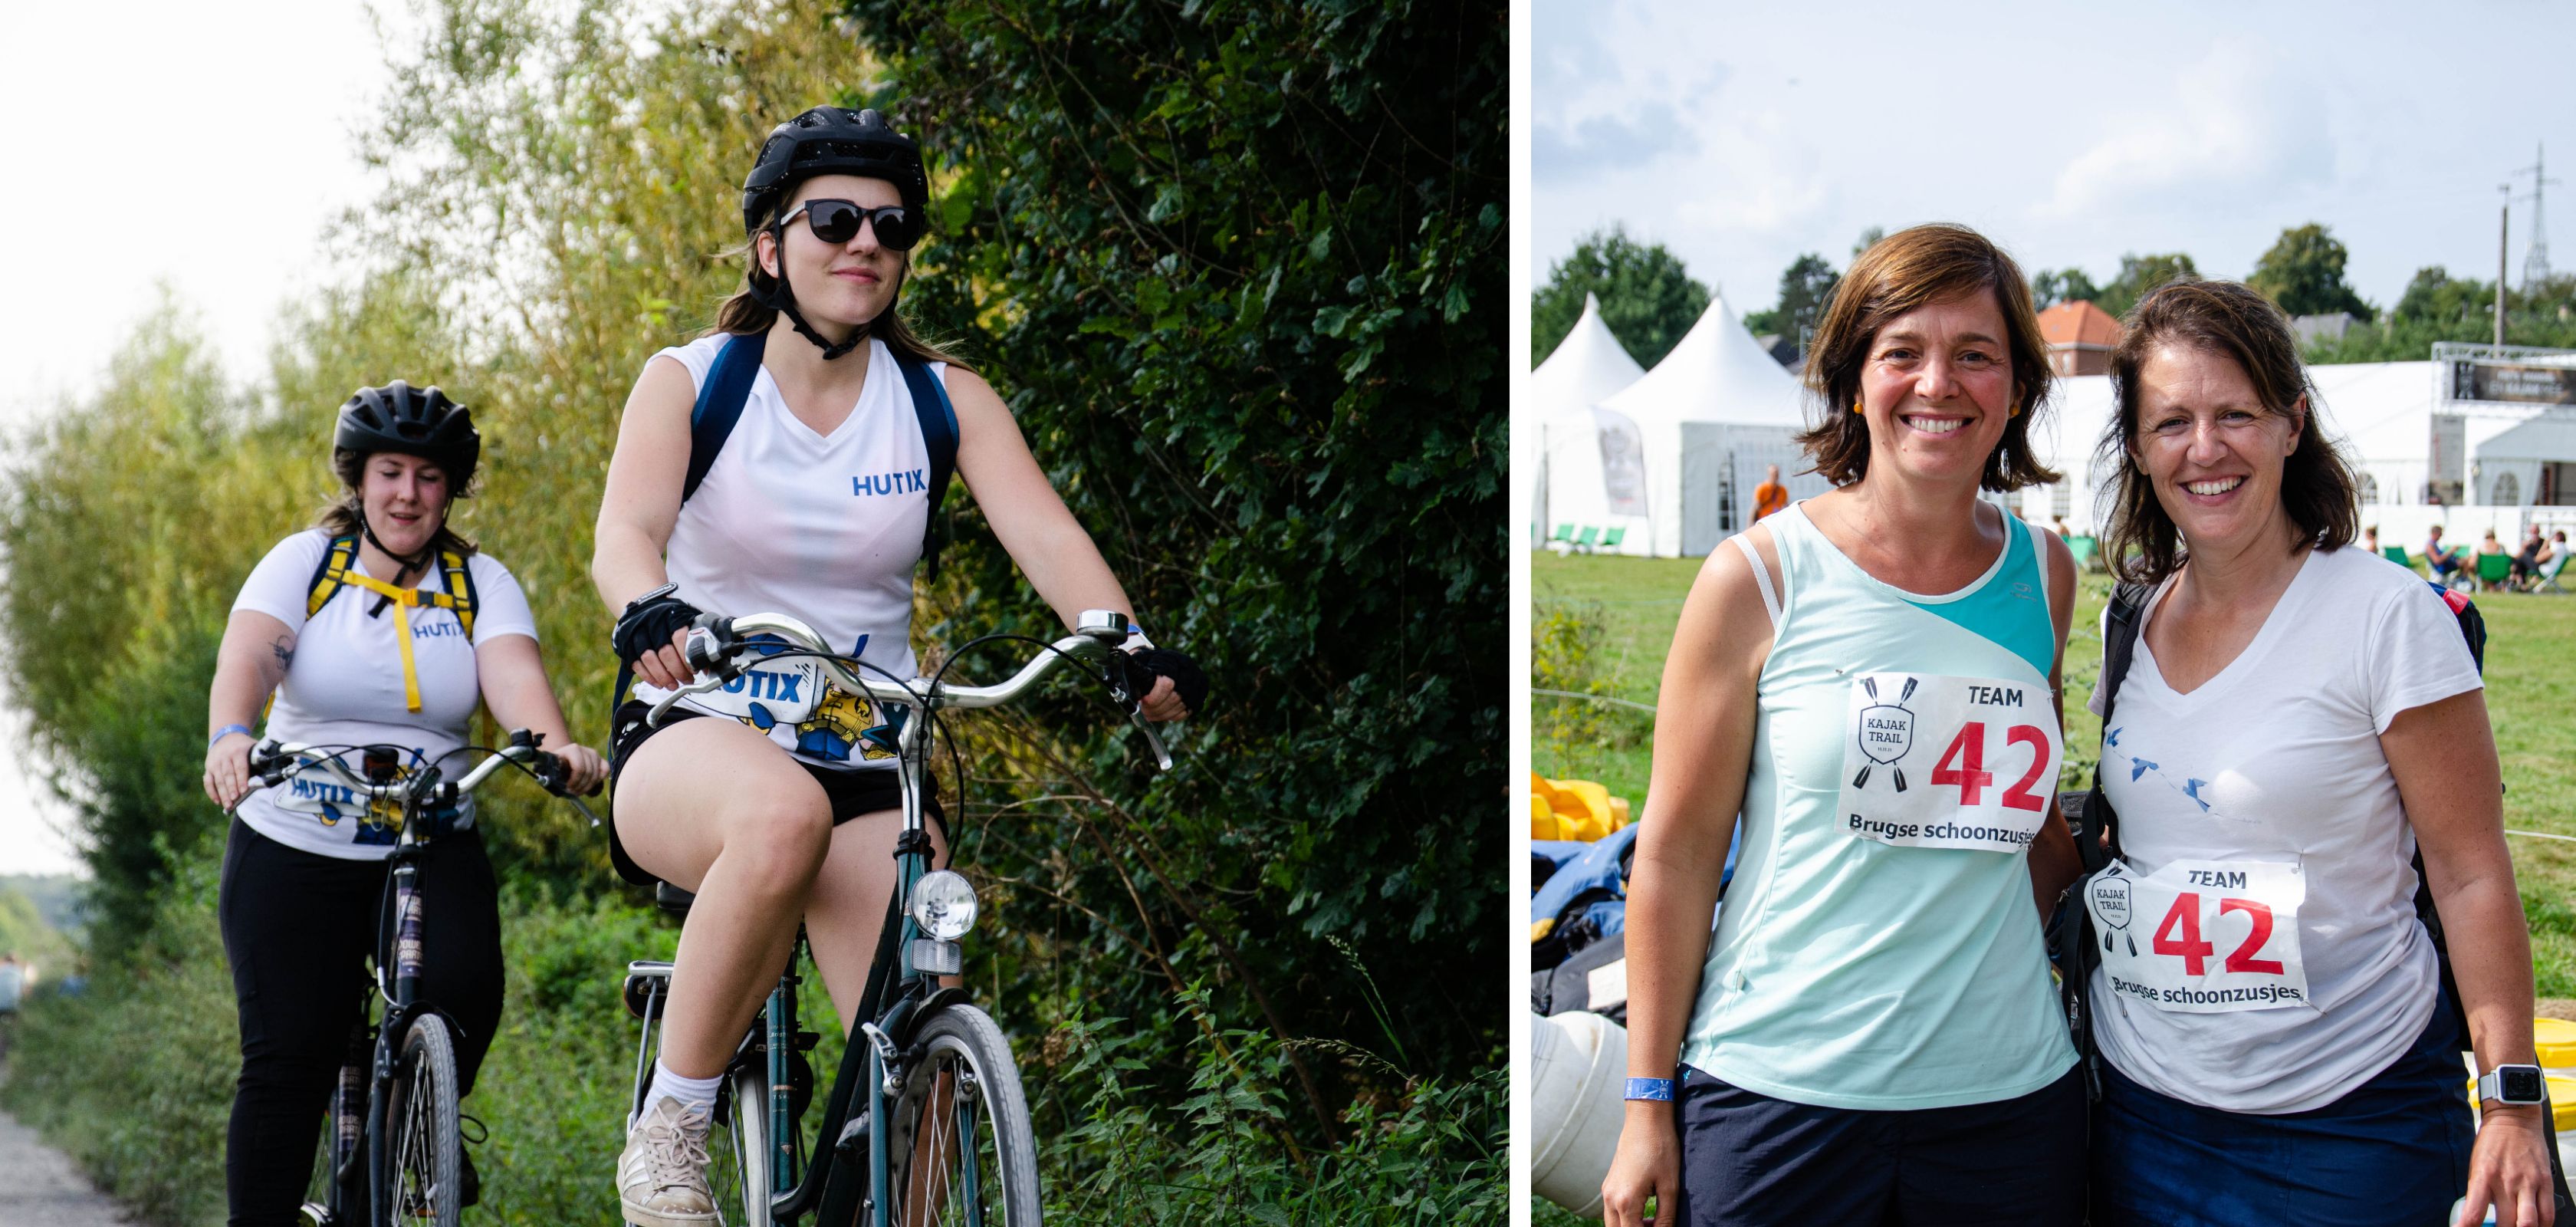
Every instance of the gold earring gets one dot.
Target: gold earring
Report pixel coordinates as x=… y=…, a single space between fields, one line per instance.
x=1855 y=404
x=2013 y=412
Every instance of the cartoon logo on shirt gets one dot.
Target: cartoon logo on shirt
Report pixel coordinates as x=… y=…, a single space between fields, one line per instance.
x=838 y=723
x=1886 y=732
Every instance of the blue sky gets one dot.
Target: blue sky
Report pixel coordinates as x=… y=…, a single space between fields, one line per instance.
x=1741 y=136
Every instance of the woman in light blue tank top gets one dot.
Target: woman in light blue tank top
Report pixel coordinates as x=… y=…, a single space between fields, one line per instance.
x=1870 y=678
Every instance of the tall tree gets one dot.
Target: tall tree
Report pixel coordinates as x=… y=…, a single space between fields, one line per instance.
x=2303 y=274
x=1805 y=287
x=1648 y=298
x=1868 y=238
x=2051 y=287
x=2141 y=274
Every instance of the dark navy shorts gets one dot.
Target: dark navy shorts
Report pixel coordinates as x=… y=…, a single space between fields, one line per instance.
x=2394 y=1151
x=1749 y=1159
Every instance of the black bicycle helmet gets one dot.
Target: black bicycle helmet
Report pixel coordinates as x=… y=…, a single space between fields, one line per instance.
x=831 y=141
x=415 y=422
x=824 y=141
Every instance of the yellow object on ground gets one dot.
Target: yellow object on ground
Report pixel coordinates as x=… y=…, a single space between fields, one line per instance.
x=2556 y=1039
x=1574 y=809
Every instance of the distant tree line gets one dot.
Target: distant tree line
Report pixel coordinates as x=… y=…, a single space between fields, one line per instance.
x=1649 y=299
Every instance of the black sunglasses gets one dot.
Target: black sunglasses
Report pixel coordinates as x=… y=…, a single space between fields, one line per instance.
x=837 y=221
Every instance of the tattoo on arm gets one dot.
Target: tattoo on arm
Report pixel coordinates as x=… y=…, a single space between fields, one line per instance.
x=283 y=648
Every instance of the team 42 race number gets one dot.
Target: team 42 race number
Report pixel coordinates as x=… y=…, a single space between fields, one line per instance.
x=1985 y=787
x=2224 y=935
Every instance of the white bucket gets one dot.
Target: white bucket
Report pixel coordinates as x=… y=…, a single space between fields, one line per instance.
x=1577 y=1105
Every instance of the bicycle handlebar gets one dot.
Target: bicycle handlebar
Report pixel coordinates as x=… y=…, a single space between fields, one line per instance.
x=273 y=761
x=716 y=645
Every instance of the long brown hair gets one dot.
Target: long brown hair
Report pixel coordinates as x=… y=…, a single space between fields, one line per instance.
x=342 y=515
x=744 y=314
x=2229 y=320
x=1898 y=274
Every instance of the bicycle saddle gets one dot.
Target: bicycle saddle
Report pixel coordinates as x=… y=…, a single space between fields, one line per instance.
x=672 y=899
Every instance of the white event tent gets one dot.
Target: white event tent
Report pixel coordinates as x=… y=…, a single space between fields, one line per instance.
x=1675 y=456
x=1588 y=366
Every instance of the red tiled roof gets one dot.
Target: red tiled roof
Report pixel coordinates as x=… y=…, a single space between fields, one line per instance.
x=2078 y=323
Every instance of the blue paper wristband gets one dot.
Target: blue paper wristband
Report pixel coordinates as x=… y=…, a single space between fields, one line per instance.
x=1659 y=1090
x=227 y=731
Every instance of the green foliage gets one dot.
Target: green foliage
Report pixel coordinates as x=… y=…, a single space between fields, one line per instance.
x=2049 y=288
x=2139 y=275
x=2302 y=274
x=1648 y=299
x=1566 y=650
x=1805 y=287
x=1237 y=267
x=2438 y=307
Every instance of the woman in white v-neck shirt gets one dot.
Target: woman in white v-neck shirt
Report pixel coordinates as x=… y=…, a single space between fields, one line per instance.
x=2297 y=717
x=318 y=627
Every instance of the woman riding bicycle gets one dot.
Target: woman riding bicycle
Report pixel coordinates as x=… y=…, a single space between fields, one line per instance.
x=1869 y=677
x=378 y=626
x=813 y=507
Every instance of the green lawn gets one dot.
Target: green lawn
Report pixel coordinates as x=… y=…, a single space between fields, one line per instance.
x=2531 y=695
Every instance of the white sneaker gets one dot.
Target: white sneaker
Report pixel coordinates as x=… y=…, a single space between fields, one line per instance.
x=662 y=1177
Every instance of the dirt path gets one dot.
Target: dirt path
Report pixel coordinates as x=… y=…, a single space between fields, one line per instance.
x=40 y=1188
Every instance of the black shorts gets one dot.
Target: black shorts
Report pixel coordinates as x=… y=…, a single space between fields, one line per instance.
x=852 y=793
x=1749 y=1159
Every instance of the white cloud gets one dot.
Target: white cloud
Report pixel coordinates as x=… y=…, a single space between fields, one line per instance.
x=2240 y=120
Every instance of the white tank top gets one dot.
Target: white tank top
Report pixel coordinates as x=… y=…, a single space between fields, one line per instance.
x=823 y=528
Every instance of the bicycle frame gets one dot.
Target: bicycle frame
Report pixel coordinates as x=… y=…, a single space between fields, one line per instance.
x=397 y=935
x=899 y=993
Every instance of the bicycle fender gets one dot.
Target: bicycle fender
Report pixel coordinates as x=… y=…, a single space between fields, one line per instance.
x=909 y=1016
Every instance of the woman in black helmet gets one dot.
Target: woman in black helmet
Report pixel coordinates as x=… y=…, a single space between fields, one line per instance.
x=815 y=505
x=317 y=634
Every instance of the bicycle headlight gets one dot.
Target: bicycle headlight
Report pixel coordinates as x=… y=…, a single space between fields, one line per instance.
x=943 y=904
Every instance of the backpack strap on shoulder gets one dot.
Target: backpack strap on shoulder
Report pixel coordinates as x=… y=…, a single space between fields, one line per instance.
x=720 y=402
x=938 y=420
x=331 y=574
x=460 y=589
x=2119 y=645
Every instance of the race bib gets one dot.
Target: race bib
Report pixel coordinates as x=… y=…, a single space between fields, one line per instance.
x=769 y=693
x=2202 y=937
x=1948 y=762
x=314 y=792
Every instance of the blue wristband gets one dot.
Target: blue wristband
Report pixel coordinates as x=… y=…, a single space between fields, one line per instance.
x=227 y=731
x=1659 y=1090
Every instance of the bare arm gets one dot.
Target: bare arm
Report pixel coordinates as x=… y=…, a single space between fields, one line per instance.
x=2055 y=862
x=512 y=673
x=249 y=664
x=641 y=502
x=1703 y=748
x=2443 y=755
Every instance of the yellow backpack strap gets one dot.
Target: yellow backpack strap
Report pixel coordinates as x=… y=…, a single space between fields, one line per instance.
x=329 y=577
x=460 y=590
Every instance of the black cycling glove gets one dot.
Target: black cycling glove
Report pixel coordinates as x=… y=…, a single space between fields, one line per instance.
x=1188 y=680
x=649 y=622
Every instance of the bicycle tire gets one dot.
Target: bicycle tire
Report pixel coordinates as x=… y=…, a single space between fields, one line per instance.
x=423 y=1142
x=738 y=1147
x=962 y=1100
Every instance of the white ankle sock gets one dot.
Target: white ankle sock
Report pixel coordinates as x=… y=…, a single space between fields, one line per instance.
x=691 y=1092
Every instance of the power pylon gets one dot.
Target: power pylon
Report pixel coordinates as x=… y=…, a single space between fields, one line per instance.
x=2535 y=261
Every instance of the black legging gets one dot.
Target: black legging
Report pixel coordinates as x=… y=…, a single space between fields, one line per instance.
x=298 y=928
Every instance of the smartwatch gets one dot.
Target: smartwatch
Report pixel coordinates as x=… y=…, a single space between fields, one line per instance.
x=2513 y=1086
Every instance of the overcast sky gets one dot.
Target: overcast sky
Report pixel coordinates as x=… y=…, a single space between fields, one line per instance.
x=204 y=146
x=1740 y=136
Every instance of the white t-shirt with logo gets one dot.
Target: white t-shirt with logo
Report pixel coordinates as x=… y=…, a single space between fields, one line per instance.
x=345 y=687
x=823 y=528
x=2261 y=948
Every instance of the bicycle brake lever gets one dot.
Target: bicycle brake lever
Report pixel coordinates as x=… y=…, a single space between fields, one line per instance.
x=1162 y=757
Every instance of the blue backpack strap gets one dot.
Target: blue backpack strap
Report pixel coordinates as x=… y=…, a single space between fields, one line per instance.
x=939 y=434
x=720 y=401
x=327 y=581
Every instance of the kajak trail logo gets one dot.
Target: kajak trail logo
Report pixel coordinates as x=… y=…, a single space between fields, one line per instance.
x=2111 y=910
x=1886 y=732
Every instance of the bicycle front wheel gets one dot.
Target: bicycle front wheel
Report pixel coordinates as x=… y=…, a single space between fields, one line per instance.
x=963 y=1152
x=422 y=1143
x=738 y=1164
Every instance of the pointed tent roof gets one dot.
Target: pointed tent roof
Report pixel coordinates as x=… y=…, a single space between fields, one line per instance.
x=1588 y=365
x=1718 y=373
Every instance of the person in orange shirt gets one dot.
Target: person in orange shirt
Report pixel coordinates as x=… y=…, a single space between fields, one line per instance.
x=1770 y=496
